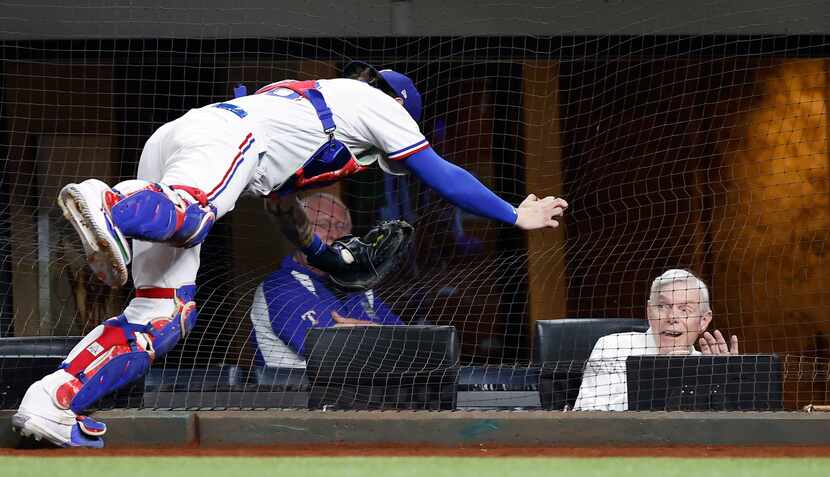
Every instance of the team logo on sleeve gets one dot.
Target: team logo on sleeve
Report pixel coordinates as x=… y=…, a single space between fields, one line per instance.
x=310 y=316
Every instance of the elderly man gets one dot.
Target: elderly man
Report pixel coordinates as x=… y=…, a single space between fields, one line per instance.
x=678 y=314
x=296 y=297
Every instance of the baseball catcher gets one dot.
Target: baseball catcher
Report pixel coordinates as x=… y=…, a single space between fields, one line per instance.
x=288 y=136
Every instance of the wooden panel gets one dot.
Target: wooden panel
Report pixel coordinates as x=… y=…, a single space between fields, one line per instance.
x=772 y=223
x=65 y=158
x=61 y=123
x=639 y=139
x=547 y=277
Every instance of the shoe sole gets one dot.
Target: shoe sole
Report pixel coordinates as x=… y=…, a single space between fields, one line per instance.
x=104 y=260
x=28 y=427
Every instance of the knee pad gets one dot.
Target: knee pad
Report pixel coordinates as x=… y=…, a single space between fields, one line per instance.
x=179 y=215
x=118 y=352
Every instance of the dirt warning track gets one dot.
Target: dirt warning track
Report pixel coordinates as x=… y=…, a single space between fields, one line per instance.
x=427 y=451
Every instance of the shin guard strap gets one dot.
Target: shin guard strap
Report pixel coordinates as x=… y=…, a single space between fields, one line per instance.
x=120 y=353
x=157 y=213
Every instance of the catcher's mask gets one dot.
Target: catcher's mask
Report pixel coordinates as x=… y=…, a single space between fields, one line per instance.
x=390 y=82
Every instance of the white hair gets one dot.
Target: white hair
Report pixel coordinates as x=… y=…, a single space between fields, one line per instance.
x=678 y=275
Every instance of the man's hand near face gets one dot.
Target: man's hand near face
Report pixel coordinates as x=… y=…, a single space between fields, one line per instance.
x=344 y=322
x=715 y=344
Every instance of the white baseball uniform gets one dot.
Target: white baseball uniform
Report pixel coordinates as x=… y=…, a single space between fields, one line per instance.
x=255 y=144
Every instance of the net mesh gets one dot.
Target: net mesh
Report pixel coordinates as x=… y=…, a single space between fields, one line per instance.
x=676 y=145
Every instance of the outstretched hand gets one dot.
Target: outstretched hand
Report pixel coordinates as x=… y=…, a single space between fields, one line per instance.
x=535 y=213
x=715 y=344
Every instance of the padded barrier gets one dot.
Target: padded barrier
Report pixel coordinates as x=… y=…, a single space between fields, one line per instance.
x=203 y=379
x=383 y=367
x=498 y=378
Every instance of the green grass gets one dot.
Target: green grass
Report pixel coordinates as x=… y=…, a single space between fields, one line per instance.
x=408 y=466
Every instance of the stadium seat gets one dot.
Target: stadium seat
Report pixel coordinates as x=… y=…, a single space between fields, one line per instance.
x=167 y=386
x=561 y=348
x=382 y=367
x=498 y=387
x=497 y=378
x=38 y=346
x=280 y=379
x=224 y=378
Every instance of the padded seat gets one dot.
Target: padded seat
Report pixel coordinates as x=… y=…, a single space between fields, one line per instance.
x=561 y=348
x=498 y=378
x=202 y=379
x=280 y=379
x=383 y=367
x=38 y=346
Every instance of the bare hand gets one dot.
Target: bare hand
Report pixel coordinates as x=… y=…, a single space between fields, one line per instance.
x=342 y=321
x=535 y=213
x=716 y=344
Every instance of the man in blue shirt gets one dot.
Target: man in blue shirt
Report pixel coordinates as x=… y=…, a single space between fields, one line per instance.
x=296 y=297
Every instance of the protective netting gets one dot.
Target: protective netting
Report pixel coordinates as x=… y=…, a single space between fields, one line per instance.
x=677 y=146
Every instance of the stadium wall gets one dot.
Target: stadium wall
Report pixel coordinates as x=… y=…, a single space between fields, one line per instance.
x=365 y=431
x=259 y=18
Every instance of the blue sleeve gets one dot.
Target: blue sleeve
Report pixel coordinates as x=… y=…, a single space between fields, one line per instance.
x=293 y=310
x=385 y=314
x=459 y=187
x=356 y=306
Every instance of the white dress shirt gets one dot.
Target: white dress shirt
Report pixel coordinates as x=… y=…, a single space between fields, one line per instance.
x=604 y=386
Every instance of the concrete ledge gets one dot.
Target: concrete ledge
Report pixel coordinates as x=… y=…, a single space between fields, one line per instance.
x=150 y=428
x=144 y=428
x=8 y=439
x=535 y=428
x=127 y=428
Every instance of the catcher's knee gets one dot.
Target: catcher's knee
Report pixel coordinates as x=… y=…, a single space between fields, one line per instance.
x=118 y=352
x=154 y=212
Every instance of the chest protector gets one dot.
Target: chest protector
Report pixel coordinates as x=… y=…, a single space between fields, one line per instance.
x=333 y=160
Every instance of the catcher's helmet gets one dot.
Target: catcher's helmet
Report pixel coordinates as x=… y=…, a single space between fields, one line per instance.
x=391 y=82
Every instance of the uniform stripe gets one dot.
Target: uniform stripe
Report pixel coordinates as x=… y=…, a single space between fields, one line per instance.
x=155 y=292
x=247 y=138
x=408 y=151
x=237 y=161
x=248 y=146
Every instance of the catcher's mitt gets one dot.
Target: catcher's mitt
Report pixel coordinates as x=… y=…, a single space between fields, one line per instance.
x=361 y=263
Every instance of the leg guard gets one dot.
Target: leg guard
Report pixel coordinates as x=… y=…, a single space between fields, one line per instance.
x=154 y=212
x=117 y=353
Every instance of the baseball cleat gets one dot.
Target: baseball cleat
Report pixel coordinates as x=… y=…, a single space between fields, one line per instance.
x=59 y=434
x=91 y=427
x=39 y=418
x=87 y=207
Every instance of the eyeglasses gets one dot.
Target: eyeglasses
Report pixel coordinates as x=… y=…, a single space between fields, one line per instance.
x=338 y=226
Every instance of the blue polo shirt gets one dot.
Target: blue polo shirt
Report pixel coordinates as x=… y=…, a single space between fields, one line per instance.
x=297 y=299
